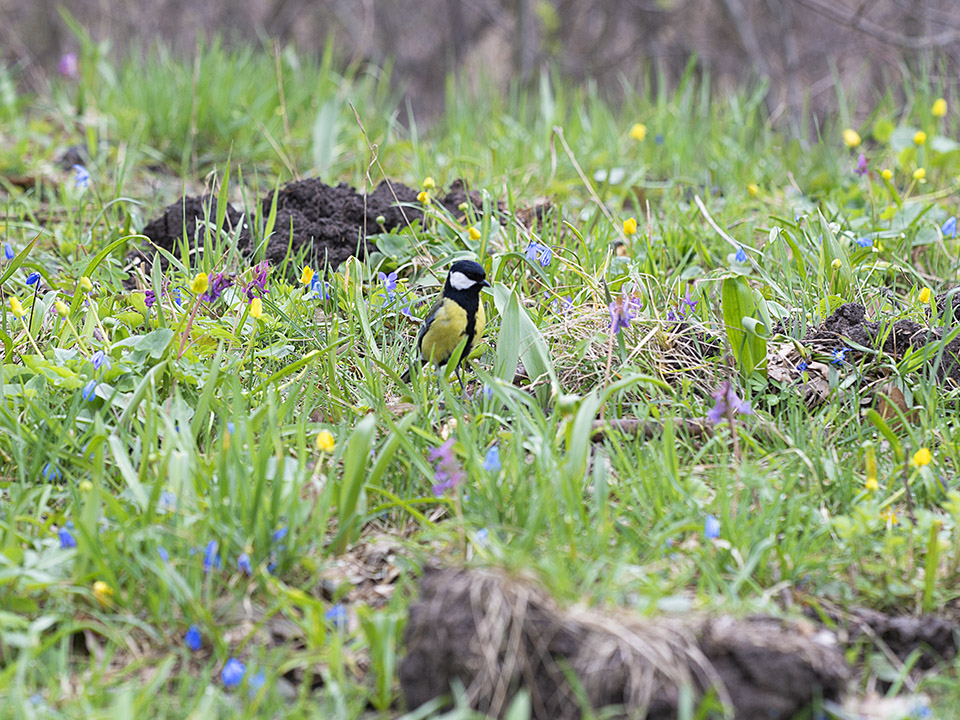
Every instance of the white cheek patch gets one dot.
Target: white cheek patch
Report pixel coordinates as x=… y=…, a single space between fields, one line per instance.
x=459 y=281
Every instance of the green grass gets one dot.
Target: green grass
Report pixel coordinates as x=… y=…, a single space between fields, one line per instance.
x=217 y=443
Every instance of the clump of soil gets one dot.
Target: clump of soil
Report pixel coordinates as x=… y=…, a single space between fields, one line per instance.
x=497 y=635
x=849 y=322
x=333 y=222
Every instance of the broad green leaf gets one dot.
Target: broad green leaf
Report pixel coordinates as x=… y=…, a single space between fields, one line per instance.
x=739 y=303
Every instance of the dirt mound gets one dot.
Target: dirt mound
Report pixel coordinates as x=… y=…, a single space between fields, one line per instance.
x=497 y=635
x=329 y=221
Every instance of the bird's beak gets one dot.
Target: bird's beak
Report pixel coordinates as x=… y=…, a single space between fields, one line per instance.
x=485 y=284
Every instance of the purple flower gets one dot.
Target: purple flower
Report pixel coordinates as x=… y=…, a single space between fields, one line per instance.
x=162 y=552
x=727 y=398
x=100 y=359
x=259 y=281
x=81 y=177
x=33 y=278
x=711 y=528
x=218 y=283
x=447 y=471
x=491 y=462
x=620 y=313
x=232 y=673
x=949 y=228
x=8 y=252
x=561 y=304
x=389 y=283
x=68 y=66
x=741 y=256
x=67 y=540
x=211 y=558
x=539 y=252
x=861 y=169
x=243 y=564
x=193 y=639
x=149 y=298
x=337 y=616
x=688 y=301
x=89 y=391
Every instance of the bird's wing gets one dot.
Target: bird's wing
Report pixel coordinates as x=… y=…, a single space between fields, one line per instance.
x=428 y=321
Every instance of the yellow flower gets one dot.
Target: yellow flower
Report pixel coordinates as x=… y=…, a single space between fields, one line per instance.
x=638 y=132
x=86 y=486
x=62 y=309
x=102 y=592
x=753 y=189
x=889 y=516
x=16 y=307
x=925 y=295
x=306 y=275
x=836 y=264
x=423 y=197
x=473 y=233
x=256 y=308
x=872 y=485
x=919 y=173
x=922 y=457
x=85 y=285
x=939 y=108
x=428 y=183
x=851 y=138
x=886 y=173
x=325 y=441
x=199 y=284
x=919 y=138
x=630 y=226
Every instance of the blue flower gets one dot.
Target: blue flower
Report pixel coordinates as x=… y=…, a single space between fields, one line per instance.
x=211 y=558
x=51 y=472
x=658 y=139
x=950 y=227
x=81 y=178
x=67 y=540
x=839 y=356
x=231 y=428
x=538 y=251
x=232 y=673
x=320 y=289
x=491 y=463
x=711 y=528
x=90 y=390
x=33 y=278
x=243 y=564
x=8 y=252
x=162 y=552
x=741 y=256
x=256 y=682
x=99 y=359
x=167 y=502
x=193 y=639
x=280 y=534
x=864 y=242
x=177 y=297
x=483 y=537
x=337 y=616
x=802 y=366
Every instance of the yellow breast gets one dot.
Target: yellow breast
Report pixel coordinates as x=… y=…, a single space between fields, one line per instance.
x=445 y=332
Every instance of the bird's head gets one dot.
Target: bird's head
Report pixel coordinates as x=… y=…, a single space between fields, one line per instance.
x=467 y=275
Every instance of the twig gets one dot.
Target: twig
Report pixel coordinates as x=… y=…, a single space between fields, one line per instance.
x=860 y=24
x=907 y=492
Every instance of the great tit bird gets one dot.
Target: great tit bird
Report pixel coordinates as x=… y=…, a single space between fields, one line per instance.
x=457 y=314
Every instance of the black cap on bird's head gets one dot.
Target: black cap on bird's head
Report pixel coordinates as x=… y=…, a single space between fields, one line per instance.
x=466 y=275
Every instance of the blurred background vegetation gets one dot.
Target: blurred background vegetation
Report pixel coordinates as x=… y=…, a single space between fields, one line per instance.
x=817 y=57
